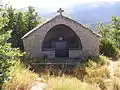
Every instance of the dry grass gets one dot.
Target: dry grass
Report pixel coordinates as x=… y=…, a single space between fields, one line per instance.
x=21 y=78
x=95 y=72
x=115 y=79
x=68 y=83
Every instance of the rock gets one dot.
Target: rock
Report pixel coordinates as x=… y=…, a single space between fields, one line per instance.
x=38 y=85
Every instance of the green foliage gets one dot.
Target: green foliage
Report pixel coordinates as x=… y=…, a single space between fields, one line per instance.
x=13 y=25
x=104 y=30
x=110 y=37
x=20 y=22
x=7 y=54
x=115 y=31
x=31 y=18
x=107 y=48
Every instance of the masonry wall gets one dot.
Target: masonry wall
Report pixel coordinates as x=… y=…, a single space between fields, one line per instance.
x=90 y=41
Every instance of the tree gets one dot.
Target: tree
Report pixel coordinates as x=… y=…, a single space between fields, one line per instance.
x=32 y=19
x=20 y=22
x=18 y=30
x=13 y=25
x=7 y=54
x=104 y=30
x=110 y=37
x=115 y=31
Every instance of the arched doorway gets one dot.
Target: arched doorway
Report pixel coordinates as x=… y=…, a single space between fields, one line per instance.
x=61 y=38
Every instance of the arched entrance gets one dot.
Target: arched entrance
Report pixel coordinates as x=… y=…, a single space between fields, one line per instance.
x=61 y=38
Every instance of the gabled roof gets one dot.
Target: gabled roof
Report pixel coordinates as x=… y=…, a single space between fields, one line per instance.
x=48 y=20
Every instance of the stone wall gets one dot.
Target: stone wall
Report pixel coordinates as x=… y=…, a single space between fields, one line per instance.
x=89 y=40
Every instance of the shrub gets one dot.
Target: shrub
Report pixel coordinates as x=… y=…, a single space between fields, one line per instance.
x=118 y=55
x=7 y=56
x=80 y=72
x=107 y=48
x=21 y=77
x=93 y=71
x=97 y=75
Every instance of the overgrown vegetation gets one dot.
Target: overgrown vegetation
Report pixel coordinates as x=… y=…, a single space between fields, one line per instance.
x=107 y=48
x=94 y=71
x=92 y=74
x=110 y=40
x=21 y=77
x=20 y=22
x=7 y=54
x=68 y=83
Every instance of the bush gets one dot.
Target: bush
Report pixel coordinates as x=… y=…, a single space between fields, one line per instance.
x=7 y=56
x=21 y=77
x=93 y=71
x=97 y=75
x=103 y=60
x=107 y=48
x=80 y=72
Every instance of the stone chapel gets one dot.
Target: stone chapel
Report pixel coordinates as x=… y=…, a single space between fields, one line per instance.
x=61 y=37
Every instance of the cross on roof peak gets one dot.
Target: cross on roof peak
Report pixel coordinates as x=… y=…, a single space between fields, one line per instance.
x=60 y=11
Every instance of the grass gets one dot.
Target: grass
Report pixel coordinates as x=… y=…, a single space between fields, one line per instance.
x=92 y=74
x=68 y=83
x=21 y=78
x=94 y=71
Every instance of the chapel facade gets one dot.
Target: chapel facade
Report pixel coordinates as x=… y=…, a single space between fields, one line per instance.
x=61 y=37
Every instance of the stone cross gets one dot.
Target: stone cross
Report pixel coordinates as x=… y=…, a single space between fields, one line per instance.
x=60 y=11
